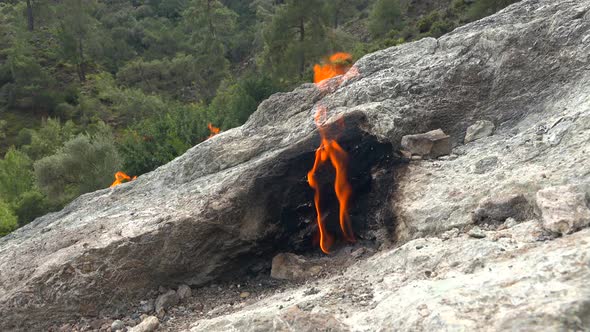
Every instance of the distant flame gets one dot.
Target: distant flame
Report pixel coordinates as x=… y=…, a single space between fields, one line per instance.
x=330 y=150
x=121 y=177
x=336 y=64
x=213 y=130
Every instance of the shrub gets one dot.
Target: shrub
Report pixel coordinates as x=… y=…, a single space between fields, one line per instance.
x=16 y=176
x=7 y=219
x=31 y=205
x=85 y=163
x=425 y=23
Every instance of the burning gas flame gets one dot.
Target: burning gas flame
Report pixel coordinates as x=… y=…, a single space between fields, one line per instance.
x=337 y=64
x=121 y=177
x=331 y=151
x=213 y=130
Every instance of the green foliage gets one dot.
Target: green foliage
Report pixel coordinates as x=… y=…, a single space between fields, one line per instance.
x=16 y=176
x=425 y=23
x=85 y=163
x=481 y=8
x=385 y=16
x=235 y=101
x=161 y=138
x=31 y=205
x=49 y=138
x=296 y=38
x=8 y=221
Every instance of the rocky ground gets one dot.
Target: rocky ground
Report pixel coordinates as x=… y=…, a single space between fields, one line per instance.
x=483 y=225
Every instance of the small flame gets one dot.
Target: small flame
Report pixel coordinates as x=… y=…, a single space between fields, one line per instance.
x=121 y=177
x=213 y=130
x=337 y=64
x=330 y=150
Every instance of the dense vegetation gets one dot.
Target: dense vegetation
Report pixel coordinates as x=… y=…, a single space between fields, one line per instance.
x=90 y=87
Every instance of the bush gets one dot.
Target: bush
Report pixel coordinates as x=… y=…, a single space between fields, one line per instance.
x=49 y=138
x=236 y=101
x=425 y=23
x=8 y=221
x=85 y=163
x=161 y=138
x=482 y=8
x=31 y=205
x=16 y=176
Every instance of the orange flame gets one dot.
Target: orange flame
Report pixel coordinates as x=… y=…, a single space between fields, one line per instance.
x=330 y=150
x=213 y=130
x=337 y=64
x=121 y=177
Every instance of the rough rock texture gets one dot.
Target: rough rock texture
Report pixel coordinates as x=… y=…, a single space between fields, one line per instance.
x=479 y=129
x=292 y=267
x=511 y=280
x=184 y=291
x=564 y=208
x=432 y=144
x=166 y=300
x=236 y=199
x=149 y=324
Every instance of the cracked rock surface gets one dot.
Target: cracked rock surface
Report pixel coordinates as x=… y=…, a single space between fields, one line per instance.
x=212 y=211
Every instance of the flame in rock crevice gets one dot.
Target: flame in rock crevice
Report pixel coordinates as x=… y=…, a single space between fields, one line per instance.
x=121 y=177
x=213 y=130
x=336 y=64
x=330 y=151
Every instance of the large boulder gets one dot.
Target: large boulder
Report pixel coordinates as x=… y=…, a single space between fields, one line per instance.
x=241 y=197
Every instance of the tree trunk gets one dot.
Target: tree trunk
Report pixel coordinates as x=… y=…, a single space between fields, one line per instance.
x=81 y=64
x=30 y=20
x=210 y=19
x=301 y=40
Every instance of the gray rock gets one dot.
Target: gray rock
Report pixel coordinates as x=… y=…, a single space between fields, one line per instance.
x=432 y=144
x=166 y=300
x=184 y=292
x=149 y=324
x=146 y=306
x=498 y=208
x=485 y=165
x=482 y=285
x=476 y=232
x=289 y=266
x=190 y=220
x=564 y=209
x=479 y=129
x=117 y=325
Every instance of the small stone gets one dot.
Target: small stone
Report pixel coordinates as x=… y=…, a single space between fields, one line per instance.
x=149 y=324
x=184 y=292
x=432 y=144
x=146 y=306
x=286 y=266
x=359 y=252
x=476 y=232
x=166 y=300
x=117 y=325
x=244 y=295
x=485 y=165
x=564 y=209
x=478 y=130
x=510 y=222
x=199 y=307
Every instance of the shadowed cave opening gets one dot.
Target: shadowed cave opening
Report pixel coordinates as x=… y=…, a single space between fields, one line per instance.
x=288 y=201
